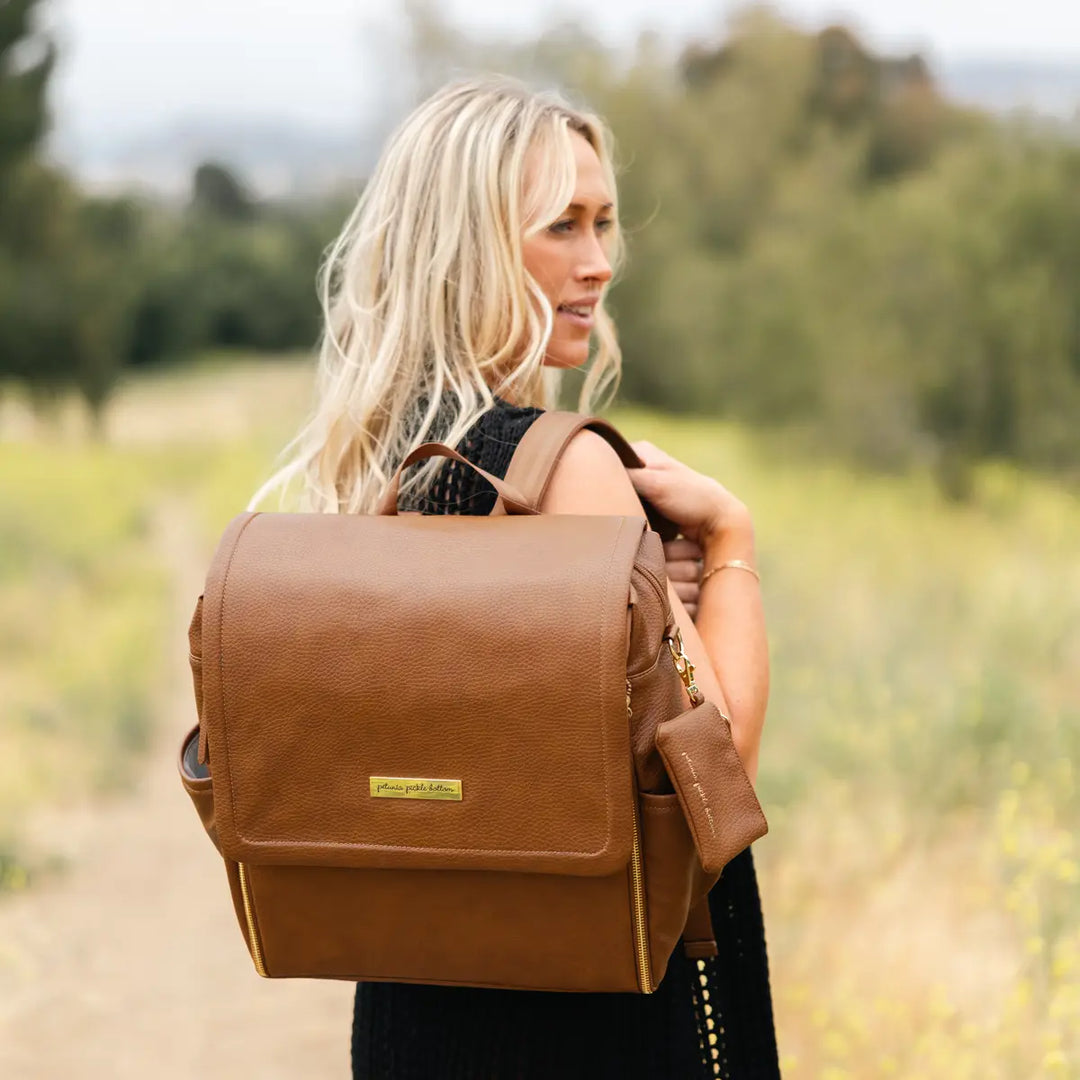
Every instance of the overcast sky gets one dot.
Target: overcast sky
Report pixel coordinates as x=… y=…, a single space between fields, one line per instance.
x=130 y=65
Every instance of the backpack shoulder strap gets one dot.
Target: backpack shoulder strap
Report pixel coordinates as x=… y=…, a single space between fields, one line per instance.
x=542 y=445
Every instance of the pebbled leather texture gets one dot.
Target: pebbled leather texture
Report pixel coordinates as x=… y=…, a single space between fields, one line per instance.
x=715 y=793
x=338 y=648
x=495 y=651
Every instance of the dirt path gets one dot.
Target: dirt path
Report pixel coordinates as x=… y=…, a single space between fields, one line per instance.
x=131 y=964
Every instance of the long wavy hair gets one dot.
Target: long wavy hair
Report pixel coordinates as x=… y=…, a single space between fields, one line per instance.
x=429 y=313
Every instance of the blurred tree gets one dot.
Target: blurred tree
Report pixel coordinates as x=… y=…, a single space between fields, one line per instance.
x=847 y=86
x=65 y=289
x=817 y=241
x=68 y=288
x=29 y=195
x=218 y=193
x=247 y=282
x=26 y=62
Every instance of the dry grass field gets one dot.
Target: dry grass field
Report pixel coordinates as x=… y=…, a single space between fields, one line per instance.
x=922 y=874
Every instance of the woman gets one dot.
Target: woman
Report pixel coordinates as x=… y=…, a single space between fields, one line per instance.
x=470 y=275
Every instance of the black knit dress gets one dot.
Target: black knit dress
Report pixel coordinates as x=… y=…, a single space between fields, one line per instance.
x=707 y=1018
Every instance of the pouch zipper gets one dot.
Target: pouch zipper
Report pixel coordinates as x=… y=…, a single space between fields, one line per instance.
x=637 y=880
x=253 y=934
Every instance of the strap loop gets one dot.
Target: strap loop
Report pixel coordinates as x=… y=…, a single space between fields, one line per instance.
x=699 y=938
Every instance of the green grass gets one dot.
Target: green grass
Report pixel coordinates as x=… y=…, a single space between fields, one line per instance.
x=81 y=622
x=918 y=768
x=922 y=872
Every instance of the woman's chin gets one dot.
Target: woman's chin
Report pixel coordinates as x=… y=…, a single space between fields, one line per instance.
x=567 y=358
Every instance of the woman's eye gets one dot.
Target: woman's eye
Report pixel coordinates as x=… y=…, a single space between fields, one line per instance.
x=602 y=224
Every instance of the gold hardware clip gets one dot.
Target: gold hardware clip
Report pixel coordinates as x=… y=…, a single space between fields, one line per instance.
x=683 y=666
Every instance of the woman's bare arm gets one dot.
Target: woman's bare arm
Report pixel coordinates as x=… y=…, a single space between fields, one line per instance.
x=727 y=645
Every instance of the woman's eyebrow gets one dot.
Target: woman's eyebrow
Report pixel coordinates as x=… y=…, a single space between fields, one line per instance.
x=581 y=206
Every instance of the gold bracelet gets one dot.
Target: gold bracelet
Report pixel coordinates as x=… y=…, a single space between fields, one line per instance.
x=737 y=564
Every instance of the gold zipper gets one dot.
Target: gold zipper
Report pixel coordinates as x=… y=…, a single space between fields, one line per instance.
x=253 y=934
x=637 y=872
x=657 y=584
x=637 y=877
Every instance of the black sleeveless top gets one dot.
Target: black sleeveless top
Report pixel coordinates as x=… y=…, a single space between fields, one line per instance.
x=707 y=1018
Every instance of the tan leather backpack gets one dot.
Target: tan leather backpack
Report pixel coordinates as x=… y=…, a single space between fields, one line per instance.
x=458 y=750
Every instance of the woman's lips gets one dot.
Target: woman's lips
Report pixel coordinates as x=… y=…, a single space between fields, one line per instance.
x=585 y=321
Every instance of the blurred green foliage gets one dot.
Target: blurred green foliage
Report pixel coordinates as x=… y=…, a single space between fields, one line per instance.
x=23 y=114
x=228 y=271
x=918 y=766
x=91 y=285
x=919 y=761
x=819 y=242
x=83 y=611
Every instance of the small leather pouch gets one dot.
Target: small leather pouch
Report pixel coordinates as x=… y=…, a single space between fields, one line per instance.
x=714 y=791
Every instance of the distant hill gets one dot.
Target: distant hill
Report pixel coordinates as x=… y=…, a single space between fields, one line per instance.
x=283 y=158
x=1005 y=85
x=275 y=159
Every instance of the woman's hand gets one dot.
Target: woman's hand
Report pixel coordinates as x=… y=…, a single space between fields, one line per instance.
x=683 y=564
x=701 y=506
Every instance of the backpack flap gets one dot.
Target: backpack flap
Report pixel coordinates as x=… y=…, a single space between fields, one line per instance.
x=429 y=692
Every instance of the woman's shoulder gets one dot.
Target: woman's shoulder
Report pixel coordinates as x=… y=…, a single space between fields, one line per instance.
x=591 y=478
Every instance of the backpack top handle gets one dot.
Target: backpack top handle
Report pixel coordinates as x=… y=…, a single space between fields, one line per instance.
x=532 y=465
x=509 y=499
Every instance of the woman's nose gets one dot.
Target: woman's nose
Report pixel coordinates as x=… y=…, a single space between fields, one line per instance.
x=594 y=263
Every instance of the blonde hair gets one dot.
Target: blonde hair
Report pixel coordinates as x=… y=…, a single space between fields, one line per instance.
x=426 y=298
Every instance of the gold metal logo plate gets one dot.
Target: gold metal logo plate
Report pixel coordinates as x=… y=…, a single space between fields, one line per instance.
x=414 y=787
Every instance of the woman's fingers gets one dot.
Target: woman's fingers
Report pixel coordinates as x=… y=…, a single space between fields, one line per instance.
x=648 y=452
x=686 y=590
x=681 y=548
x=693 y=501
x=683 y=565
x=683 y=570
x=683 y=562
